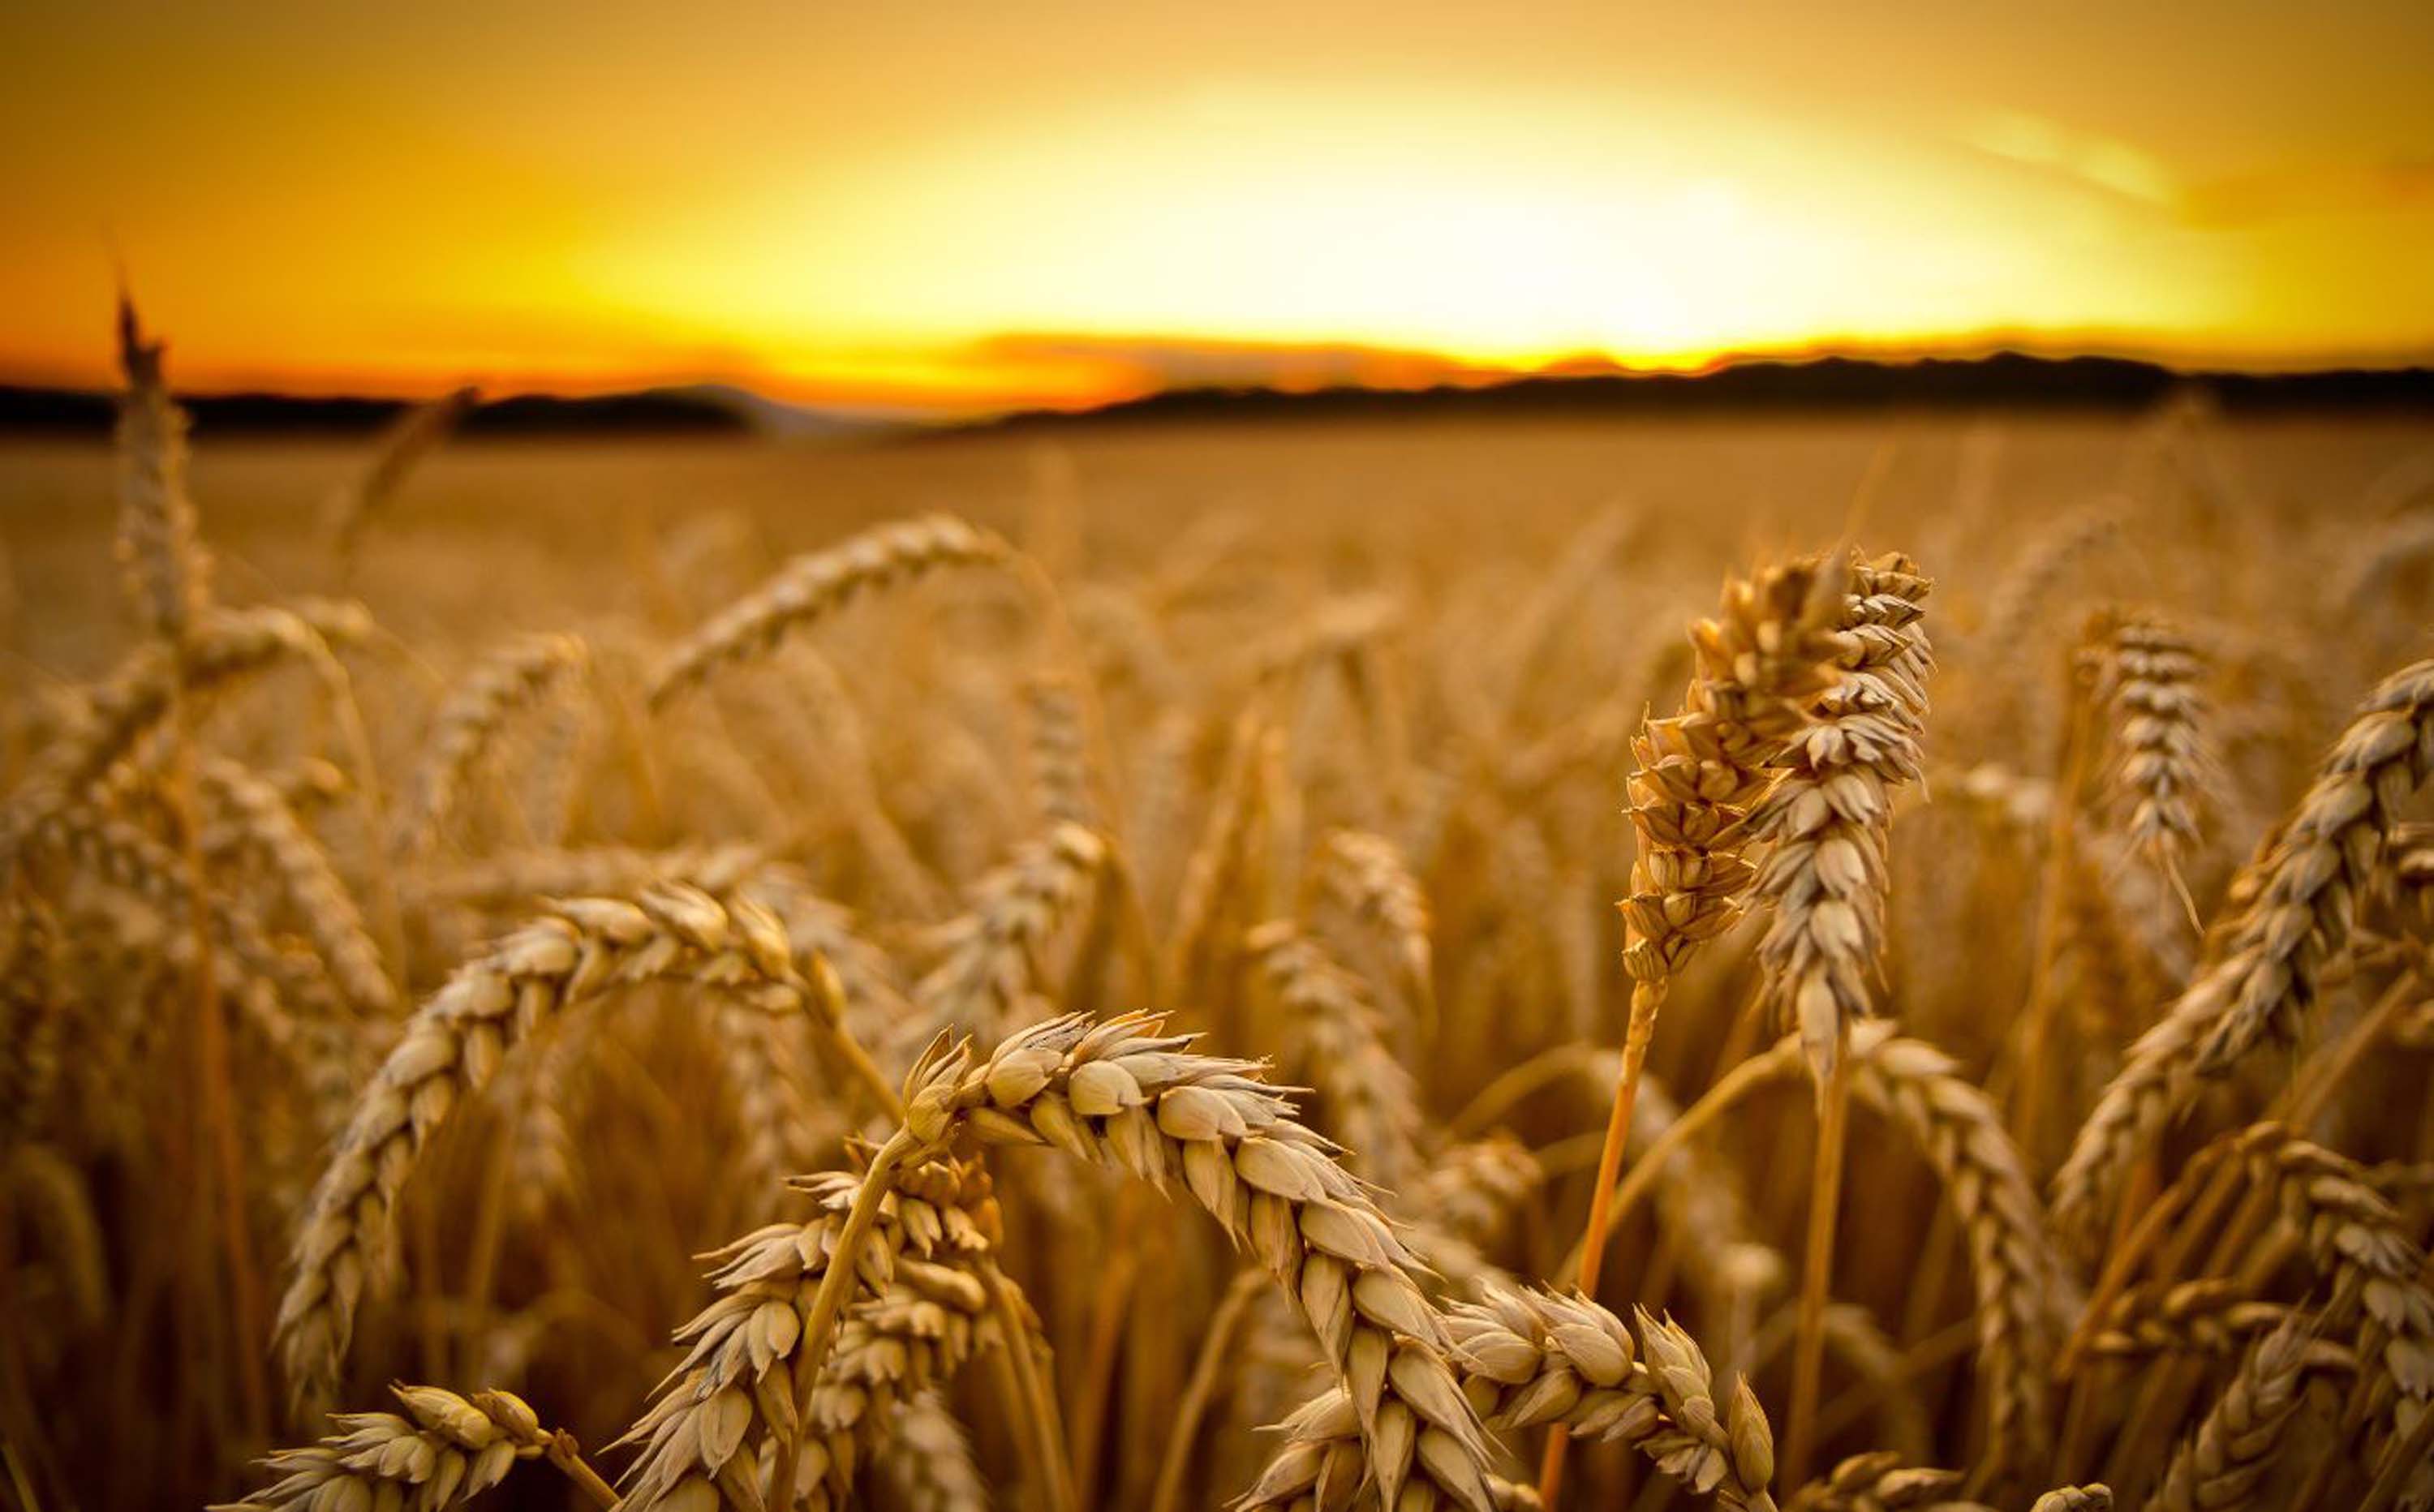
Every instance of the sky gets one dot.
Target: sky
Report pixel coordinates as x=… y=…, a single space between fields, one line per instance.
x=949 y=207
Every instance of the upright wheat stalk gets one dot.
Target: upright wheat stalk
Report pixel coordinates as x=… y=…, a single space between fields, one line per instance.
x=1829 y=824
x=1698 y=775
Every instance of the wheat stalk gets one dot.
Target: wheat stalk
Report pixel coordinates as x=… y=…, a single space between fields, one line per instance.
x=990 y=956
x=1533 y=1359
x=818 y=584
x=160 y=545
x=1373 y=1106
x=509 y=680
x=1119 y=1093
x=2218 y=1469
x=1696 y=778
x=2263 y=967
x=1829 y=820
x=713 y=1432
x=263 y=824
x=452 y=1048
x=444 y=1450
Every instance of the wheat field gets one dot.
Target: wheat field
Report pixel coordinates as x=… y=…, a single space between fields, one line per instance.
x=1841 y=962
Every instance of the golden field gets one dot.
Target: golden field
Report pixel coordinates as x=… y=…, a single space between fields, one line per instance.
x=442 y=910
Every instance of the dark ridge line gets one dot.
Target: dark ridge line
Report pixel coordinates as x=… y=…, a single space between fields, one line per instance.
x=67 y=411
x=2005 y=380
x=2001 y=380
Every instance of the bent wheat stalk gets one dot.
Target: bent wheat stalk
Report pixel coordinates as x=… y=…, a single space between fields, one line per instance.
x=444 y=1450
x=2263 y=969
x=518 y=677
x=454 y=1046
x=1119 y=1093
x=818 y=585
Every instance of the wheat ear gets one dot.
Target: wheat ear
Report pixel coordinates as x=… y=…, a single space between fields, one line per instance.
x=160 y=545
x=118 y=712
x=443 y=1451
x=1370 y=877
x=1533 y=1359
x=934 y=1471
x=2357 y=1238
x=1874 y=1481
x=412 y=436
x=2218 y=1470
x=1828 y=818
x=989 y=956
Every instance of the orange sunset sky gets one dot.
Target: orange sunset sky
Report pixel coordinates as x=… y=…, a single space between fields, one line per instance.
x=948 y=206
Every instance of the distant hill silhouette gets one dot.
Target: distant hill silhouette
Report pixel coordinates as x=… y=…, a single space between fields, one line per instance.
x=654 y=412
x=2003 y=380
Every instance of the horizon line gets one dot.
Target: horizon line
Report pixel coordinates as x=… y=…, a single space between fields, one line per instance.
x=1131 y=364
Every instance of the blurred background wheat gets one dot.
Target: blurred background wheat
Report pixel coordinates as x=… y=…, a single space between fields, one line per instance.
x=453 y=889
